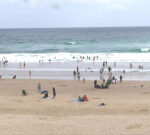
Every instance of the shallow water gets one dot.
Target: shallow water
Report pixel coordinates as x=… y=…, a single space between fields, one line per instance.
x=64 y=70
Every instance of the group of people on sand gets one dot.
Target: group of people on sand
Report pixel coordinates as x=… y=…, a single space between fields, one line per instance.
x=45 y=92
x=82 y=99
x=104 y=85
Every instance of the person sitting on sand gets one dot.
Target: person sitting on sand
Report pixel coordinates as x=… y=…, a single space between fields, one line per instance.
x=80 y=99
x=24 y=93
x=114 y=80
x=96 y=85
x=102 y=85
x=108 y=81
x=85 y=98
x=45 y=94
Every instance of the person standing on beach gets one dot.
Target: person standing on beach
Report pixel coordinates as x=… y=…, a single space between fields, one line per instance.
x=24 y=64
x=130 y=65
x=54 y=92
x=109 y=69
x=103 y=64
x=20 y=65
x=78 y=76
x=74 y=73
x=39 y=62
x=30 y=74
x=77 y=69
x=49 y=60
x=120 y=78
x=39 y=87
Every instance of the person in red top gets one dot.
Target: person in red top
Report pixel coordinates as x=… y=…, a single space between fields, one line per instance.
x=85 y=98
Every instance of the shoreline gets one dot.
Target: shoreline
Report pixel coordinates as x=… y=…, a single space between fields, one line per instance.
x=64 y=71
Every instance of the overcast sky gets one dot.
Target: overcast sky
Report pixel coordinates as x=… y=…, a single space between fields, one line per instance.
x=73 y=13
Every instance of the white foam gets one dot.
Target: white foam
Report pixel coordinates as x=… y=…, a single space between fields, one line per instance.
x=145 y=49
x=72 y=43
x=68 y=57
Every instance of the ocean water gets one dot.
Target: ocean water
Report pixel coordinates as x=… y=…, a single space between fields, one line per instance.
x=128 y=44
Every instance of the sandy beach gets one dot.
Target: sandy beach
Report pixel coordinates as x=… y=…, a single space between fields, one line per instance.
x=126 y=110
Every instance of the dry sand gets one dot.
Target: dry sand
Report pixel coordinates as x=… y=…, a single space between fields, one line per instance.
x=127 y=109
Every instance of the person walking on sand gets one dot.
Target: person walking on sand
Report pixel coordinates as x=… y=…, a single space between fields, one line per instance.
x=54 y=92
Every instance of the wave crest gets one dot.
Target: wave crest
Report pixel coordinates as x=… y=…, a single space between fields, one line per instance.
x=145 y=49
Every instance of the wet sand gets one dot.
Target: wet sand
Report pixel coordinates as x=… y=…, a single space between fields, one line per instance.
x=126 y=110
x=64 y=70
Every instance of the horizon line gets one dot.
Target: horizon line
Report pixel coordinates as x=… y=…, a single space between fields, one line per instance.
x=74 y=27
